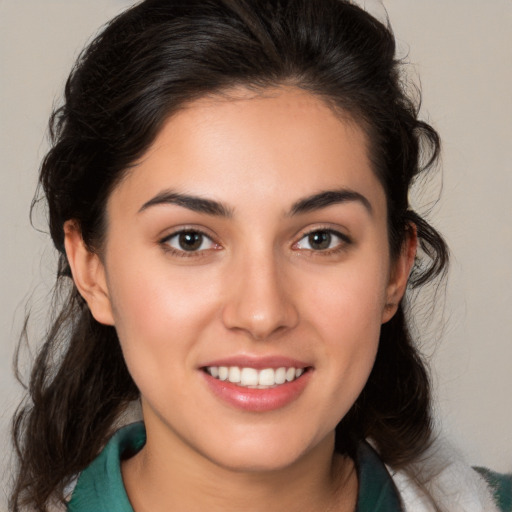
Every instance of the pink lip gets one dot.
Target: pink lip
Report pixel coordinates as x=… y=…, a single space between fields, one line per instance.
x=258 y=400
x=259 y=363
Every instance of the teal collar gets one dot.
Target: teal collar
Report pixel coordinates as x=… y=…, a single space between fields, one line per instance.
x=377 y=491
x=100 y=486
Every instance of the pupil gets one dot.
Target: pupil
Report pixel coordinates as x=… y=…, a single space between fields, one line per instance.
x=190 y=241
x=320 y=240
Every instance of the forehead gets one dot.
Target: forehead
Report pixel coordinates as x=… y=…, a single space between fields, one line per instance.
x=277 y=143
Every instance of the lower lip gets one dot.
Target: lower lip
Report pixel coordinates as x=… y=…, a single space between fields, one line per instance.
x=258 y=400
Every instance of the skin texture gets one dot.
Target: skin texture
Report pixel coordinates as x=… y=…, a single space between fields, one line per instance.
x=256 y=287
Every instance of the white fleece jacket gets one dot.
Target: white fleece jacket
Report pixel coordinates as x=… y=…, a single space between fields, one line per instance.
x=443 y=478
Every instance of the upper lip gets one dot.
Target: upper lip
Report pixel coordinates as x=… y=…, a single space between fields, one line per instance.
x=257 y=362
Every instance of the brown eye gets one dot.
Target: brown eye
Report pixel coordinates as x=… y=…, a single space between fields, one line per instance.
x=323 y=240
x=320 y=240
x=189 y=242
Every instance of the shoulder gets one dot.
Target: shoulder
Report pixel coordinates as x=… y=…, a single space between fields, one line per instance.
x=456 y=489
x=501 y=486
x=442 y=478
x=100 y=485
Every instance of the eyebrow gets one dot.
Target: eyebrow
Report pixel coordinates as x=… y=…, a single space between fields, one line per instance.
x=194 y=203
x=328 y=198
x=211 y=207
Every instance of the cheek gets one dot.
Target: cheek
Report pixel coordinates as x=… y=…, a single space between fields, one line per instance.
x=159 y=316
x=348 y=304
x=346 y=313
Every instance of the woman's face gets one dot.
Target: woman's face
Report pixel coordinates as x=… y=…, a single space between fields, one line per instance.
x=249 y=243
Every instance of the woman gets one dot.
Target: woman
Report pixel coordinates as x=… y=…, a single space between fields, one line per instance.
x=228 y=191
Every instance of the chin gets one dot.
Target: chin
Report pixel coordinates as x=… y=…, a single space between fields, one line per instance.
x=258 y=461
x=256 y=452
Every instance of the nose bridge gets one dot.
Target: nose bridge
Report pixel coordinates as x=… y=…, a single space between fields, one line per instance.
x=259 y=301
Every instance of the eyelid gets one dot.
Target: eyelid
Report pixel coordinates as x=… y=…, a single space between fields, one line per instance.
x=164 y=242
x=345 y=240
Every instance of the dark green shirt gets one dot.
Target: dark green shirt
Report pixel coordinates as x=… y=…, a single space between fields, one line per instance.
x=100 y=486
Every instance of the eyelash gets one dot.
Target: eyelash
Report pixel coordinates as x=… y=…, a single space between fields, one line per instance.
x=342 y=245
x=183 y=253
x=344 y=242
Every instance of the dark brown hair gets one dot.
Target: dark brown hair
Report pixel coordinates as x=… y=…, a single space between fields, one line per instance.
x=141 y=69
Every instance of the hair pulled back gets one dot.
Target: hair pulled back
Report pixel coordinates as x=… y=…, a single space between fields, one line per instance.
x=144 y=66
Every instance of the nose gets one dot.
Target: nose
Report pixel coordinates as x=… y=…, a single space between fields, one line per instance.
x=259 y=301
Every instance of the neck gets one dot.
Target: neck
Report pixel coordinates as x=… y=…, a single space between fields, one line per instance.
x=171 y=476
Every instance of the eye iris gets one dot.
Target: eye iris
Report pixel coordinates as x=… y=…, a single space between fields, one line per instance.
x=320 y=240
x=190 y=241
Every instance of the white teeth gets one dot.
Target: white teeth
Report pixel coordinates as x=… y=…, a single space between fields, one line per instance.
x=234 y=374
x=266 y=377
x=280 y=376
x=249 y=377
x=252 y=378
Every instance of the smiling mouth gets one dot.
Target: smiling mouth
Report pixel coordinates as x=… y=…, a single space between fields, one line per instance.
x=247 y=377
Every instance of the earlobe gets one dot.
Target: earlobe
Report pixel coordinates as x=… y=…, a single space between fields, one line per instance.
x=88 y=274
x=400 y=274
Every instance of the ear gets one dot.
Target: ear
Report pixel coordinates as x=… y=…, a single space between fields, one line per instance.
x=399 y=275
x=88 y=274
